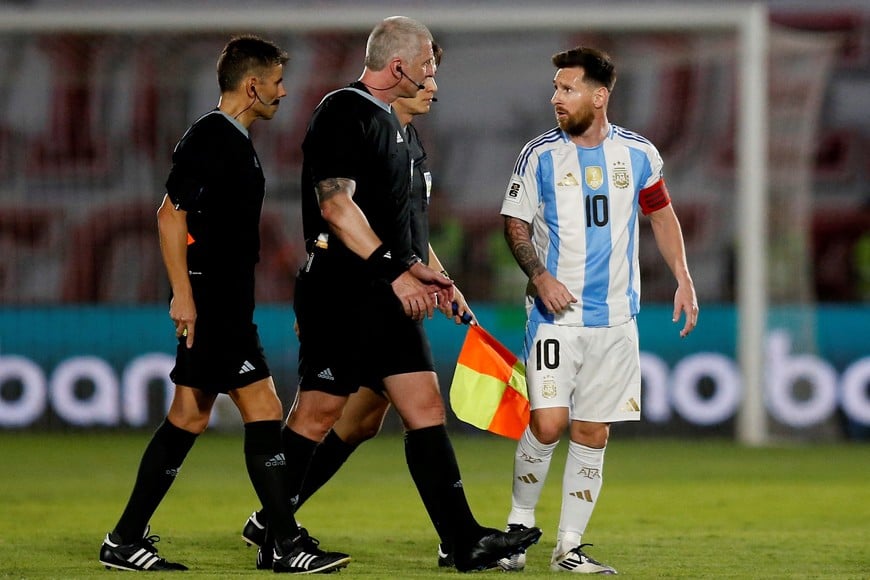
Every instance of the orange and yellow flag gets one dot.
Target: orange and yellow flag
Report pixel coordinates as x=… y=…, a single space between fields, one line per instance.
x=489 y=386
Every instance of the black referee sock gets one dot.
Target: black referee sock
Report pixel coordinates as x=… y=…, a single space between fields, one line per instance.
x=158 y=468
x=328 y=458
x=432 y=463
x=267 y=468
x=299 y=451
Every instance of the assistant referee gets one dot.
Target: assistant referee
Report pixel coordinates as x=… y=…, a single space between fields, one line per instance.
x=209 y=237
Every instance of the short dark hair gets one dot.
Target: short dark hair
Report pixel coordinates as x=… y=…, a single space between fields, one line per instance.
x=596 y=64
x=245 y=54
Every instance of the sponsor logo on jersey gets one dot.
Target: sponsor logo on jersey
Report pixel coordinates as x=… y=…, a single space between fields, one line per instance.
x=568 y=181
x=399 y=137
x=326 y=374
x=594 y=176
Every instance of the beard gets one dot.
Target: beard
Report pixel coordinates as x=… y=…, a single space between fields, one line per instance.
x=577 y=124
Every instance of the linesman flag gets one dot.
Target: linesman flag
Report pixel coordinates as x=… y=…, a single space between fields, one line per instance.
x=489 y=386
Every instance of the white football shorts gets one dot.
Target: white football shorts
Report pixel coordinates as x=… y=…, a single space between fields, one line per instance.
x=594 y=371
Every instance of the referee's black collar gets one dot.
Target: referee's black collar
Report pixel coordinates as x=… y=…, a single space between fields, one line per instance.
x=234 y=122
x=359 y=88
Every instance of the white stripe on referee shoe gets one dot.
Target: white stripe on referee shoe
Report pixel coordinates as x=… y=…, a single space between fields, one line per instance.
x=304 y=560
x=144 y=560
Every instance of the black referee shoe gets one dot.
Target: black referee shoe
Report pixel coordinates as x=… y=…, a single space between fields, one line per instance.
x=493 y=546
x=140 y=556
x=303 y=556
x=445 y=555
x=254 y=532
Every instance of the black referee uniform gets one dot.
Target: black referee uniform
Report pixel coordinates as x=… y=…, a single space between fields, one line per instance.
x=217 y=179
x=421 y=192
x=353 y=329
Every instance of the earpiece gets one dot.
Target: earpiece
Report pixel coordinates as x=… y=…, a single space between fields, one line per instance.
x=420 y=86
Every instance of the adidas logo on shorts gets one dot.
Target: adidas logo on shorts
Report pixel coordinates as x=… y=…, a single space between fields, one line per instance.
x=326 y=374
x=246 y=367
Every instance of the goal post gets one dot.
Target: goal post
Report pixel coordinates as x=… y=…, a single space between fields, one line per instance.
x=748 y=23
x=752 y=295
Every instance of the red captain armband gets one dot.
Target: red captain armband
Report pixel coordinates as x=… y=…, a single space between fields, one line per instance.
x=654 y=197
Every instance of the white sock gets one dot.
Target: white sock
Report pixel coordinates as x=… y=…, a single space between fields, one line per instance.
x=531 y=464
x=581 y=485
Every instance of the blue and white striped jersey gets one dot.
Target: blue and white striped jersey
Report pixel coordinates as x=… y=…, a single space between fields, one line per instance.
x=583 y=207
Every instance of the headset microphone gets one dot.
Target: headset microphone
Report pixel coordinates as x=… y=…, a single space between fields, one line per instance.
x=254 y=90
x=420 y=86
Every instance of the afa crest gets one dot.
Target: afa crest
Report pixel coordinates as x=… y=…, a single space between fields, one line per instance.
x=548 y=389
x=621 y=179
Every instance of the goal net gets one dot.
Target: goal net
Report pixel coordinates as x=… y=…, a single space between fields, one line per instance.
x=91 y=104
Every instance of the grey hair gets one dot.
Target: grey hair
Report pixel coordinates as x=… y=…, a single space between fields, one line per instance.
x=397 y=36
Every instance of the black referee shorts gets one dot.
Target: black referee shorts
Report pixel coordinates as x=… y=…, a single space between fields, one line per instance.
x=353 y=337
x=226 y=355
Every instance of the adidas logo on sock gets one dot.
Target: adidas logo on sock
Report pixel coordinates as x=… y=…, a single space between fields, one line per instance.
x=326 y=374
x=528 y=478
x=276 y=461
x=584 y=495
x=246 y=367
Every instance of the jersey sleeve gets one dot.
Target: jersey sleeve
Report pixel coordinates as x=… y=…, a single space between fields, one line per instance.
x=654 y=194
x=335 y=145
x=187 y=183
x=521 y=198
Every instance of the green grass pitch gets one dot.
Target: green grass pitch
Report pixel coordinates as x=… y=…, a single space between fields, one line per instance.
x=669 y=509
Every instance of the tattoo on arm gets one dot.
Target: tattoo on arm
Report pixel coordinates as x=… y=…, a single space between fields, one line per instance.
x=519 y=239
x=331 y=187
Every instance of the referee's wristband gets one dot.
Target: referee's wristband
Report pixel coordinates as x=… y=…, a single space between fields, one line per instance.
x=381 y=264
